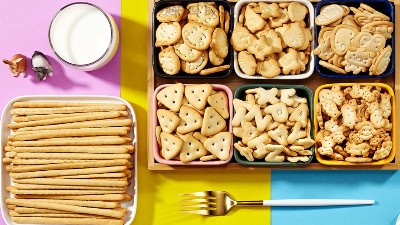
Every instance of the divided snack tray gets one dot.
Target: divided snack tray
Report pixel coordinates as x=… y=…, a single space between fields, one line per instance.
x=5 y=132
x=234 y=81
x=310 y=24
x=382 y=6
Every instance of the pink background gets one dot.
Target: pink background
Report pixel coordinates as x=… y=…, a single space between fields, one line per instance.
x=24 y=28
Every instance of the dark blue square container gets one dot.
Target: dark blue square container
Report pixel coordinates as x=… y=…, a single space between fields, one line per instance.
x=382 y=6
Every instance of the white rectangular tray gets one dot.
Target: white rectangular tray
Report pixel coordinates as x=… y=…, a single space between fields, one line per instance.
x=5 y=132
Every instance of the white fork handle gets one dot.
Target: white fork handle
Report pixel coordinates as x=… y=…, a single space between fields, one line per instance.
x=316 y=202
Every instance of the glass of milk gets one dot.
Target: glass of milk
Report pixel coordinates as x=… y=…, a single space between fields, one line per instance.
x=83 y=36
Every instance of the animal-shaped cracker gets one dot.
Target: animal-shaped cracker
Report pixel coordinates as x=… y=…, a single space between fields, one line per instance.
x=240 y=38
x=349 y=113
x=358 y=59
x=329 y=14
x=171 y=96
x=386 y=105
x=289 y=61
x=366 y=130
x=219 y=145
x=357 y=149
x=171 y=145
x=384 y=151
x=212 y=122
x=297 y=11
x=329 y=108
x=278 y=21
x=377 y=119
x=203 y=13
x=373 y=42
x=342 y=37
x=334 y=94
x=192 y=149
x=294 y=37
x=253 y=21
x=267 y=10
x=260 y=47
x=381 y=62
x=324 y=50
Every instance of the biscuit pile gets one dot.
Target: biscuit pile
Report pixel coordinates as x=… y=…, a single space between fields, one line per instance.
x=353 y=43
x=272 y=39
x=192 y=123
x=69 y=163
x=273 y=124
x=191 y=37
x=354 y=123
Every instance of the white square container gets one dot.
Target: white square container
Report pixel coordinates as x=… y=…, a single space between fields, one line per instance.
x=310 y=24
x=6 y=118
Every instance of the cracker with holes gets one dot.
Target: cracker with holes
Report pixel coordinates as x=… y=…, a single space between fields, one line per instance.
x=192 y=149
x=203 y=114
x=359 y=133
x=172 y=145
x=274 y=124
x=168 y=34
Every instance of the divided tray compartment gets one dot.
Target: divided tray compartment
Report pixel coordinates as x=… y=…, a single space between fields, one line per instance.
x=382 y=6
x=301 y=91
x=182 y=75
x=5 y=132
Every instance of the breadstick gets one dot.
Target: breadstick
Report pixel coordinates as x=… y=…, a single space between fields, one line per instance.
x=12 y=207
x=67 y=220
x=73 y=182
x=96 y=175
x=19 y=133
x=99 y=140
x=55 y=215
x=84 y=132
x=58 y=104
x=46 y=111
x=52 y=173
x=99 y=116
x=105 y=197
x=7 y=160
x=71 y=156
x=27 y=210
x=70 y=149
x=94 y=204
x=18 y=161
x=52 y=116
x=64 y=192
x=75 y=125
x=104 y=163
x=57 y=187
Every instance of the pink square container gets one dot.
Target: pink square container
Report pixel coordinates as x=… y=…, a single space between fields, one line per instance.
x=156 y=150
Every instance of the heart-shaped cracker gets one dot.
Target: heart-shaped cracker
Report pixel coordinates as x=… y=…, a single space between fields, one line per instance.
x=219 y=102
x=191 y=120
x=197 y=95
x=192 y=149
x=212 y=122
x=171 y=145
x=171 y=96
x=197 y=36
x=219 y=145
x=168 y=33
x=168 y=120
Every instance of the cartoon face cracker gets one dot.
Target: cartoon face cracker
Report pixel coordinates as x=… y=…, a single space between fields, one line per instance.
x=169 y=61
x=259 y=47
x=342 y=37
x=168 y=33
x=185 y=52
x=366 y=130
x=380 y=27
x=195 y=66
x=203 y=13
x=334 y=94
x=381 y=62
x=338 y=137
x=363 y=18
x=349 y=113
x=329 y=14
x=170 y=14
x=329 y=108
x=373 y=42
x=358 y=59
x=197 y=36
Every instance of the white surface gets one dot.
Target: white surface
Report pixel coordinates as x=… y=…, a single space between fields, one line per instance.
x=316 y=202
x=310 y=66
x=5 y=132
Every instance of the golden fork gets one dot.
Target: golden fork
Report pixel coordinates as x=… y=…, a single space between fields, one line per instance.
x=219 y=203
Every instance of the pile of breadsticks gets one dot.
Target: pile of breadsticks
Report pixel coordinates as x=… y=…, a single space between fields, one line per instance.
x=69 y=162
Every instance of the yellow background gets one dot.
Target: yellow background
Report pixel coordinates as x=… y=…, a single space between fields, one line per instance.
x=159 y=190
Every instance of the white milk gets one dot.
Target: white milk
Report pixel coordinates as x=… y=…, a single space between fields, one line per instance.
x=84 y=36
